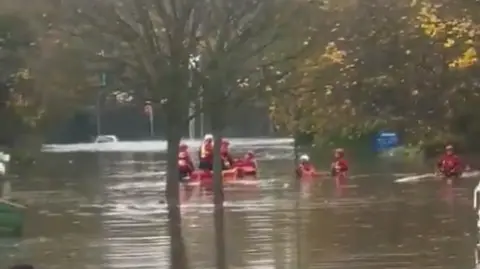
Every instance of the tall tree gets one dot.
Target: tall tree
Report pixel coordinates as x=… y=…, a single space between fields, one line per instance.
x=406 y=66
x=239 y=38
x=15 y=39
x=157 y=40
x=43 y=79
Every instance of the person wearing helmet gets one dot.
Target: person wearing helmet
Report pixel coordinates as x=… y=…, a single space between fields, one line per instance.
x=225 y=146
x=227 y=159
x=450 y=165
x=249 y=159
x=206 y=153
x=339 y=165
x=185 y=164
x=305 y=167
x=248 y=165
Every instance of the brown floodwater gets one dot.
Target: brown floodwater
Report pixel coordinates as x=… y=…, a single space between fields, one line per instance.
x=102 y=210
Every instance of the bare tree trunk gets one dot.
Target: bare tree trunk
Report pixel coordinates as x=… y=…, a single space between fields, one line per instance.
x=178 y=257
x=218 y=195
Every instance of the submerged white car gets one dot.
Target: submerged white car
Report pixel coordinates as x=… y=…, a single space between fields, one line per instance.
x=106 y=139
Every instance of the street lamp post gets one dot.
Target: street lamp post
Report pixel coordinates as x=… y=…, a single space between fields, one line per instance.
x=103 y=83
x=148 y=109
x=194 y=64
x=191 y=124
x=98 y=120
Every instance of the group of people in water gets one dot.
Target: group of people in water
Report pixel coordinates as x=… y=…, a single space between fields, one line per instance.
x=205 y=157
x=338 y=168
x=448 y=166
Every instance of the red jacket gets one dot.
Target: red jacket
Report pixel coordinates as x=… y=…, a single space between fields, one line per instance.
x=248 y=162
x=185 y=162
x=450 y=163
x=224 y=149
x=339 y=165
x=305 y=168
x=226 y=157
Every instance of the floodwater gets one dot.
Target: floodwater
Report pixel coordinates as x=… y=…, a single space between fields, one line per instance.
x=99 y=208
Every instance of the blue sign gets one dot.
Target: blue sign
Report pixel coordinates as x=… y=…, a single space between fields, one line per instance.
x=386 y=141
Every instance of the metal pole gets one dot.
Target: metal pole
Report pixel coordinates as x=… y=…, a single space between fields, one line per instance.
x=202 y=118
x=103 y=83
x=191 y=124
x=152 y=130
x=193 y=64
x=99 y=127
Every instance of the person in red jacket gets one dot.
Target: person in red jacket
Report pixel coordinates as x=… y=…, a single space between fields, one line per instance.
x=450 y=165
x=339 y=165
x=205 y=154
x=227 y=159
x=185 y=164
x=248 y=164
x=249 y=160
x=305 y=167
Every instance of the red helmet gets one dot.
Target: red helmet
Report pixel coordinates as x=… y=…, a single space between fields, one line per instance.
x=183 y=146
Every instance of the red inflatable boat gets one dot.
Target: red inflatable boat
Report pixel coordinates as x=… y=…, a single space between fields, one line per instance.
x=245 y=169
x=206 y=177
x=229 y=176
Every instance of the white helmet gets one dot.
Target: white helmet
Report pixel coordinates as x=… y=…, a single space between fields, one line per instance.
x=304 y=158
x=208 y=137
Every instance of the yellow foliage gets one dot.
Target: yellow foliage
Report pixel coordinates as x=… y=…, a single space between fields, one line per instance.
x=449 y=43
x=22 y=101
x=467 y=59
x=429 y=21
x=455 y=34
x=333 y=54
x=302 y=98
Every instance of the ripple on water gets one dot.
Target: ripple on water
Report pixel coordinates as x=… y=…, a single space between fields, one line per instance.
x=159 y=146
x=147 y=174
x=138 y=185
x=134 y=242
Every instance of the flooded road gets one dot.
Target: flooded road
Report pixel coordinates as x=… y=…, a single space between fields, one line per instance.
x=101 y=210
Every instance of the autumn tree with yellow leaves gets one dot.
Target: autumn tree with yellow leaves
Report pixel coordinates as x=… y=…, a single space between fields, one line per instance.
x=19 y=111
x=407 y=66
x=297 y=105
x=459 y=35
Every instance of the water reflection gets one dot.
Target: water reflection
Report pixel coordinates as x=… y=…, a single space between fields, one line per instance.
x=103 y=211
x=477 y=251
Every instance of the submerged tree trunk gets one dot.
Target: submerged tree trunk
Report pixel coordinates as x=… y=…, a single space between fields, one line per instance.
x=218 y=194
x=178 y=257
x=297 y=189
